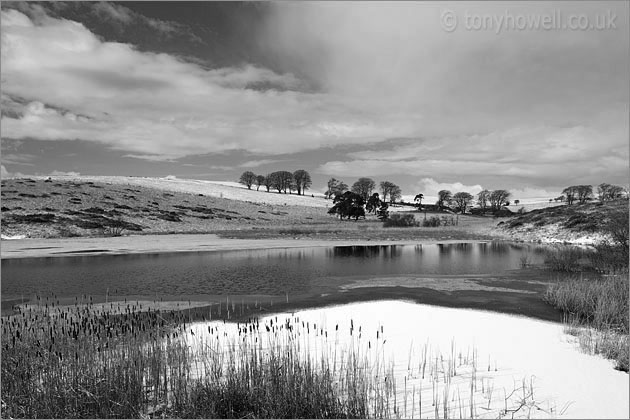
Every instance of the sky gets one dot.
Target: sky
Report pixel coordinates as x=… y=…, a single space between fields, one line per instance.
x=430 y=95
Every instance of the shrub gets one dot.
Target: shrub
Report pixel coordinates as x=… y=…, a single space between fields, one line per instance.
x=566 y=259
x=432 y=221
x=401 y=220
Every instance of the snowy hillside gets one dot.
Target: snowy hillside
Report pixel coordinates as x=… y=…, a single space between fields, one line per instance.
x=221 y=189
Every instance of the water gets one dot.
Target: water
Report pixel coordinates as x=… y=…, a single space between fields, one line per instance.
x=270 y=271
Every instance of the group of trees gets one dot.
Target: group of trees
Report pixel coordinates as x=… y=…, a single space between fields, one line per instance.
x=583 y=193
x=282 y=181
x=607 y=192
x=461 y=201
x=351 y=204
x=493 y=199
x=364 y=187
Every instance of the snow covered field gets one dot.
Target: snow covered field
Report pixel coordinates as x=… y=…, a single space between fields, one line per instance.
x=514 y=366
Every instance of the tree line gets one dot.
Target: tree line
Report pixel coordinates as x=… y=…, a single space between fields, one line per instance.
x=580 y=194
x=365 y=188
x=281 y=181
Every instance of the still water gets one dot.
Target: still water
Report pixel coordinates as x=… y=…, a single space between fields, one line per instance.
x=269 y=271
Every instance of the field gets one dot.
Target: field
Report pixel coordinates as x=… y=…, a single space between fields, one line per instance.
x=107 y=206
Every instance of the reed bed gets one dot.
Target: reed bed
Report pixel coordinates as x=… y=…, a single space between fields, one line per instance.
x=121 y=360
x=595 y=299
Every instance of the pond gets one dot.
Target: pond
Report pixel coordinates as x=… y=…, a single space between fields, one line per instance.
x=270 y=271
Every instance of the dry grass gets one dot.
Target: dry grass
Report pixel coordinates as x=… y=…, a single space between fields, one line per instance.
x=87 y=361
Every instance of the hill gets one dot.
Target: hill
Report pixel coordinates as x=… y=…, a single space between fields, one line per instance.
x=107 y=206
x=85 y=206
x=587 y=223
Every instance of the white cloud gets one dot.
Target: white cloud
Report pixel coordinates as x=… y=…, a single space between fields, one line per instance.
x=257 y=163
x=64 y=173
x=537 y=155
x=4 y=173
x=156 y=105
x=430 y=187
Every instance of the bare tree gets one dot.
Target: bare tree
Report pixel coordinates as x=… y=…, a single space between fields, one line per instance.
x=584 y=193
x=607 y=192
x=282 y=181
x=268 y=183
x=335 y=187
x=260 y=180
x=570 y=194
x=483 y=198
x=462 y=200
x=390 y=189
x=248 y=178
x=302 y=180
x=395 y=194
x=444 y=197
x=498 y=198
x=364 y=187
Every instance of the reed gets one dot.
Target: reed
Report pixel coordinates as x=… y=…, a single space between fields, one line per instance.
x=600 y=304
x=121 y=359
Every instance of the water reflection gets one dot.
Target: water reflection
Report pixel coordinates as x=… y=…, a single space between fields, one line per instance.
x=268 y=271
x=369 y=251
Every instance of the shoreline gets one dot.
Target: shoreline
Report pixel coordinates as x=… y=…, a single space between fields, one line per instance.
x=175 y=243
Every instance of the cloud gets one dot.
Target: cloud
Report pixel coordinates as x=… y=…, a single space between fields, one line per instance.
x=430 y=187
x=6 y=174
x=539 y=155
x=157 y=106
x=18 y=158
x=64 y=173
x=257 y=163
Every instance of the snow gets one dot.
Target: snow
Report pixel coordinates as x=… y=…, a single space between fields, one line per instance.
x=497 y=353
x=12 y=237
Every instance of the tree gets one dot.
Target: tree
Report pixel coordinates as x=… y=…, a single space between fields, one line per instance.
x=483 y=197
x=248 y=178
x=419 y=198
x=260 y=180
x=302 y=180
x=498 y=198
x=569 y=193
x=444 y=197
x=584 y=193
x=462 y=200
x=281 y=181
x=268 y=183
x=373 y=203
x=348 y=204
x=364 y=187
x=395 y=194
x=382 y=213
x=516 y=202
x=607 y=192
x=390 y=189
x=335 y=187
